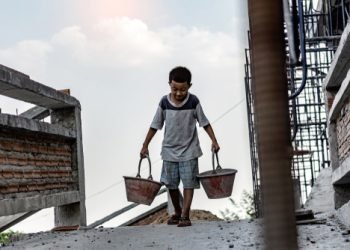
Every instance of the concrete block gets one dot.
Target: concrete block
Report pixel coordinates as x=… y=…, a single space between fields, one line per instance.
x=341 y=175
x=341 y=195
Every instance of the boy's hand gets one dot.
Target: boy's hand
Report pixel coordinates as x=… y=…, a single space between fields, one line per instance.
x=215 y=146
x=144 y=152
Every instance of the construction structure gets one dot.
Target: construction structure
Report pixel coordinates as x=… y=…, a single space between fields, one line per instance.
x=337 y=90
x=41 y=163
x=313 y=31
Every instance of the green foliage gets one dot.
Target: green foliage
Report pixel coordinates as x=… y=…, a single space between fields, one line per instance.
x=243 y=210
x=6 y=237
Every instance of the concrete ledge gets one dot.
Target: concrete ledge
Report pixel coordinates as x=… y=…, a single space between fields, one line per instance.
x=341 y=62
x=340 y=98
x=20 y=205
x=17 y=122
x=19 y=86
x=341 y=175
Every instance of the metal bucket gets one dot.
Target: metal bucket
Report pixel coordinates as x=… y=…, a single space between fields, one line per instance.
x=217 y=183
x=139 y=190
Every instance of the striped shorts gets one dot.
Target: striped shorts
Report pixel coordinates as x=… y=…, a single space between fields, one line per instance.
x=186 y=171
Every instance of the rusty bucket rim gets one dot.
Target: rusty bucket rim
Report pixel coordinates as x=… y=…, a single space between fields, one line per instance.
x=218 y=172
x=142 y=179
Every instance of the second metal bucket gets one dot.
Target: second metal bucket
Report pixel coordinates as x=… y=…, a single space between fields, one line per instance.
x=139 y=190
x=217 y=183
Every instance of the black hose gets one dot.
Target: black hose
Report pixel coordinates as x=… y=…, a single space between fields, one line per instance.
x=303 y=51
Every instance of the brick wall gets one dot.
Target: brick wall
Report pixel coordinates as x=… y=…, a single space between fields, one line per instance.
x=35 y=163
x=343 y=132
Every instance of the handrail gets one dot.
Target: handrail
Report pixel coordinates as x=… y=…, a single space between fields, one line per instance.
x=119 y=212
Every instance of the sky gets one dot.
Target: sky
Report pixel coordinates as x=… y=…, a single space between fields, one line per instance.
x=115 y=57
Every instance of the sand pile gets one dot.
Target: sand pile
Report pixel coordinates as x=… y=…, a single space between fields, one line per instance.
x=162 y=216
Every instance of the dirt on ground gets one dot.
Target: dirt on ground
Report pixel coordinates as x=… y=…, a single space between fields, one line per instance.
x=162 y=216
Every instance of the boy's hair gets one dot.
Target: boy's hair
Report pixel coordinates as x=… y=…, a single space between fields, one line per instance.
x=180 y=74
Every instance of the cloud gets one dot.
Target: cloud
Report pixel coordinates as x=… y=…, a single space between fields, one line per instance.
x=71 y=40
x=117 y=43
x=27 y=56
x=214 y=49
x=123 y=42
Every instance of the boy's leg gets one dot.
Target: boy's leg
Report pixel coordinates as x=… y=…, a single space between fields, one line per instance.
x=175 y=198
x=170 y=177
x=188 y=196
x=188 y=171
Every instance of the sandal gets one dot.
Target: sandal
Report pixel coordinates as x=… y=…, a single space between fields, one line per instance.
x=184 y=222
x=174 y=219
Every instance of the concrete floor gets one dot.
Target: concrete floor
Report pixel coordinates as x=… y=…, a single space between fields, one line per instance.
x=244 y=234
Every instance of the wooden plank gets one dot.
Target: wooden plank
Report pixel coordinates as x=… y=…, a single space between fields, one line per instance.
x=304 y=214
x=312 y=221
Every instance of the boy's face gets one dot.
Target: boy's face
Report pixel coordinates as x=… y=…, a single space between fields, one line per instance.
x=179 y=90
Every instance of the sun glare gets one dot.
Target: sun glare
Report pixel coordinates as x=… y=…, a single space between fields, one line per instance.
x=111 y=8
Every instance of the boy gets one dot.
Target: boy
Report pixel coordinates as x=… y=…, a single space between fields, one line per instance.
x=180 y=111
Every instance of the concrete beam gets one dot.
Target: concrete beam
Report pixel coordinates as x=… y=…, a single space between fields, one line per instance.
x=17 y=122
x=340 y=64
x=20 y=205
x=8 y=221
x=341 y=175
x=36 y=113
x=19 y=86
x=340 y=99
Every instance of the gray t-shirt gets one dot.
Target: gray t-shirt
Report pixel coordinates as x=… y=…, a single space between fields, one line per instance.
x=180 y=141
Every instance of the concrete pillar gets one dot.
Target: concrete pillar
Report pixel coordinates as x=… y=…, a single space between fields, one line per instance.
x=341 y=192
x=75 y=213
x=269 y=81
x=67 y=215
x=297 y=193
x=333 y=145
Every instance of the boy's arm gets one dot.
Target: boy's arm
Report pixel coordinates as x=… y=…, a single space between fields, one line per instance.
x=144 y=151
x=214 y=144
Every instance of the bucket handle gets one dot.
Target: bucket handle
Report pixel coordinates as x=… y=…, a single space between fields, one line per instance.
x=218 y=167
x=150 y=168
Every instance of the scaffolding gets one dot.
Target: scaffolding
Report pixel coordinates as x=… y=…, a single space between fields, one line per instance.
x=313 y=30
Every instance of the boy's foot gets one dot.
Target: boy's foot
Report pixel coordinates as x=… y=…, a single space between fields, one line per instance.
x=174 y=219
x=184 y=222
